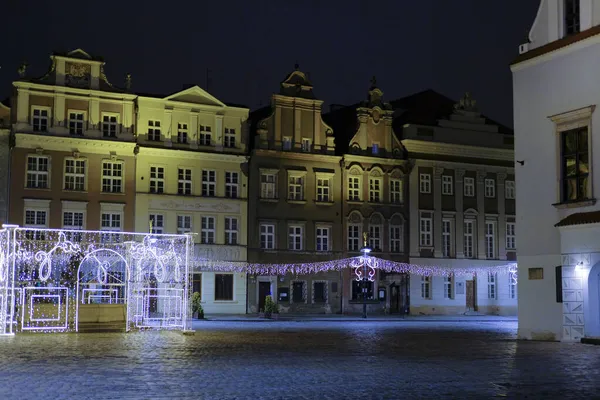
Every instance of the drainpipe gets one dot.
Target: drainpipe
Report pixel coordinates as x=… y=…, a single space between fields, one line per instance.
x=343 y=213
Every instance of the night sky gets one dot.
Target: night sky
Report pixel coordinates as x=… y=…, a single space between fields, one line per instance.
x=250 y=45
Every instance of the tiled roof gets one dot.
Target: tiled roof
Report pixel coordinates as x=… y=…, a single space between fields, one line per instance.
x=582 y=218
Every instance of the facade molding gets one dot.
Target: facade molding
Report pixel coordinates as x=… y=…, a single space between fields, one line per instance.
x=446 y=149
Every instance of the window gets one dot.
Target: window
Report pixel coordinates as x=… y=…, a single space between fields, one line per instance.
x=306 y=145
x=490 y=240
x=224 y=287
x=396 y=191
x=469 y=189
x=231 y=184
x=572 y=24
x=447 y=187
x=510 y=236
x=267 y=236
x=231 y=230
x=76 y=122
x=353 y=188
x=73 y=220
x=286 y=143
x=184 y=181
x=298 y=292
x=209 y=183
x=197 y=283
x=447 y=238
x=490 y=188
x=491 y=285
x=37 y=172
x=40 y=119
x=229 y=137
x=110 y=222
x=396 y=240
x=575 y=164
x=182 y=133
x=512 y=284
x=362 y=289
x=74 y=174
x=319 y=292
x=109 y=125
x=425 y=232
x=36 y=219
x=375 y=237
x=354 y=237
x=425 y=287
x=509 y=189
x=323 y=186
x=157 y=180
x=158 y=223
x=375 y=148
x=323 y=239
x=469 y=238
x=374 y=190
x=296 y=188
x=154 y=130
x=207 y=230
x=205 y=135
x=425 y=183
x=112 y=177
x=295 y=236
x=184 y=224
x=448 y=287
x=268 y=185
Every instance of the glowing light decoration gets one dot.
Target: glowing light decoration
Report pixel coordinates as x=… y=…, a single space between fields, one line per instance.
x=48 y=275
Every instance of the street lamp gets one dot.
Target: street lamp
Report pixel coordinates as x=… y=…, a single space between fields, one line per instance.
x=365 y=250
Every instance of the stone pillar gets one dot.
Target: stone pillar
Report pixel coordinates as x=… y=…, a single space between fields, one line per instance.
x=59 y=114
x=481 y=217
x=166 y=128
x=218 y=138
x=414 y=215
x=459 y=224
x=500 y=178
x=95 y=124
x=437 y=211
x=193 y=130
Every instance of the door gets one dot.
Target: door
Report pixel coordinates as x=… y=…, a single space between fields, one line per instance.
x=399 y=299
x=471 y=295
x=394 y=306
x=264 y=290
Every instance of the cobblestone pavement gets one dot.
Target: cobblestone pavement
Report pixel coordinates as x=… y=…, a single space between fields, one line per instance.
x=299 y=360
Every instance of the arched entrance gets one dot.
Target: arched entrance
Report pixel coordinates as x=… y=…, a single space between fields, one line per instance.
x=101 y=292
x=592 y=308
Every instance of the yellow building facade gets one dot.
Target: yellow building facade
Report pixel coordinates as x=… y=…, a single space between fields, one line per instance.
x=190 y=178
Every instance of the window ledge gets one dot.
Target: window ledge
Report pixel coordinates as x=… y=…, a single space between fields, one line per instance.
x=269 y=200
x=368 y=301
x=296 y=201
x=35 y=188
x=113 y=193
x=426 y=248
x=357 y=202
x=575 y=204
x=324 y=203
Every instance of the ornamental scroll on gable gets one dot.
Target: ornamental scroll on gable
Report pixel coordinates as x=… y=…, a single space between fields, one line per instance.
x=467 y=103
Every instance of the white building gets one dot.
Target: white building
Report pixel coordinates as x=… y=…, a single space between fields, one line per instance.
x=556 y=90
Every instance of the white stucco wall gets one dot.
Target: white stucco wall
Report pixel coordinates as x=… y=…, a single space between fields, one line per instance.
x=212 y=306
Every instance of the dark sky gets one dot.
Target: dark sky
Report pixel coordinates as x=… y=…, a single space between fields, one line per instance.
x=250 y=45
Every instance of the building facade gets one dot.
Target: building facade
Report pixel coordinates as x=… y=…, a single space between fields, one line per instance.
x=462 y=206
x=5 y=118
x=295 y=203
x=191 y=177
x=72 y=157
x=554 y=120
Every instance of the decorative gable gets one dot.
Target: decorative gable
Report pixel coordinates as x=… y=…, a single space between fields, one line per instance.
x=196 y=95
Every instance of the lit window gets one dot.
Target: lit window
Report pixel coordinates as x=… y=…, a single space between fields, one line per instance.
x=184 y=181
x=231 y=184
x=425 y=183
x=209 y=183
x=207 y=230
x=76 y=122
x=74 y=174
x=112 y=177
x=231 y=230
x=37 y=172
x=157 y=180
x=229 y=137
x=575 y=164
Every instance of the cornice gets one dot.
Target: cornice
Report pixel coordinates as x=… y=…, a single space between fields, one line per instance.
x=350 y=158
x=187 y=106
x=285 y=100
x=190 y=155
x=297 y=156
x=31 y=86
x=56 y=143
x=458 y=150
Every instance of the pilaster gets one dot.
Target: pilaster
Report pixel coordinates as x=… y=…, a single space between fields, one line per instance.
x=128 y=117
x=95 y=76
x=94 y=116
x=459 y=224
x=219 y=132
x=413 y=193
x=481 y=217
x=194 y=130
x=23 y=107
x=167 y=128
x=437 y=211
x=58 y=116
x=298 y=128
x=500 y=178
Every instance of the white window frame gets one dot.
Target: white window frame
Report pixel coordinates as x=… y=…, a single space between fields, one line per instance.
x=426 y=287
x=158 y=222
x=469 y=237
x=447 y=185
x=154 y=130
x=324 y=190
x=112 y=126
x=447 y=240
x=425 y=232
x=449 y=287
x=209 y=183
x=491 y=251
x=205 y=135
x=184 y=224
x=74 y=176
x=509 y=189
x=37 y=174
x=296 y=186
x=490 y=188
x=375 y=236
x=306 y=145
x=375 y=186
x=157 y=179
x=115 y=213
x=295 y=231
x=112 y=179
x=232 y=226
x=396 y=191
x=396 y=236
x=36 y=208
x=268 y=189
x=232 y=184
x=267 y=236
x=184 y=181
x=352 y=240
x=323 y=238
x=229 y=138
x=354 y=188
x=424 y=183
x=182 y=133
x=492 y=279
x=78 y=124
x=469 y=187
x=36 y=120
x=208 y=234
x=511 y=240
x=74 y=207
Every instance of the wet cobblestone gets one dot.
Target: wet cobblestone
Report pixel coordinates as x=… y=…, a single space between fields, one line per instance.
x=299 y=360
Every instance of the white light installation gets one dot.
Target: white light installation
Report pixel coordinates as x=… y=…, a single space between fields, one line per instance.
x=48 y=276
